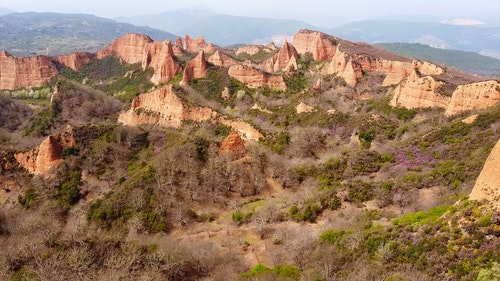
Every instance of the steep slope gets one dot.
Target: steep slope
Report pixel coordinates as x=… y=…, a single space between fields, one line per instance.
x=488 y=183
x=164 y=108
x=19 y=72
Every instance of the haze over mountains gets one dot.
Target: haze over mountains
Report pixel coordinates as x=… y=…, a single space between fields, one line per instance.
x=53 y=34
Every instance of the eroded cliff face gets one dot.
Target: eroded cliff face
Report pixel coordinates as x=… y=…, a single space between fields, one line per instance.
x=194 y=45
x=75 y=61
x=254 y=78
x=160 y=57
x=317 y=43
x=48 y=155
x=136 y=48
x=419 y=92
x=196 y=68
x=284 y=60
x=164 y=108
x=23 y=72
x=487 y=185
x=344 y=66
x=222 y=59
x=474 y=96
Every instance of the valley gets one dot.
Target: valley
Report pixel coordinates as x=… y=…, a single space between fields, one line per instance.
x=315 y=159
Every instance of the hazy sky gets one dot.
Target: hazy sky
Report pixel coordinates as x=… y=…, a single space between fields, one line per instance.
x=319 y=12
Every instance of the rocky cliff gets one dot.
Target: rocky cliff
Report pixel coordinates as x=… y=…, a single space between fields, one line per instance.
x=284 y=60
x=75 y=61
x=194 y=45
x=419 y=92
x=164 y=108
x=48 y=154
x=488 y=183
x=474 y=96
x=136 y=48
x=196 y=68
x=160 y=57
x=22 y=72
x=318 y=44
x=254 y=78
x=343 y=66
x=222 y=59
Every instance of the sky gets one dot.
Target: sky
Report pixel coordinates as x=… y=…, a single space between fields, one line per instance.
x=326 y=13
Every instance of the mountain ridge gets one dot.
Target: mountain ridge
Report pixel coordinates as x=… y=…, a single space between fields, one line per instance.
x=58 y=34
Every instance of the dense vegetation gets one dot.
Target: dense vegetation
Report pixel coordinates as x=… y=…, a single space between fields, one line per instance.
x=352 y=190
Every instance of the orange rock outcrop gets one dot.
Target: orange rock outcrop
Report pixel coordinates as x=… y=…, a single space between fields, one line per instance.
x=343 y=66
x=196 y=68
x=284 y=60
x=254 y=78
x=234 y=144
x=419 y=92
x=487 y=185
x=163 y=107
x=220 y=58
x=22 y=72
x=474 y=96
x=48 y=154
x=318 y=44
x=137 y=48
x=194 y=45
x=75 y=61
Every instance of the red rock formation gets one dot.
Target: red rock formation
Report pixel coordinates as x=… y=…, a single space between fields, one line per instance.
x=163 y=107
x=343 y=66
x=284 y=60
x=178 y=48
x=210 y=48
x=317 y=43
x=136 y=48
x=48 y=154
x=194 y=45
x=254 y=78
x=487 y=185
x=220 y=58
x=160 y=57
x=22 y=72
x=196 y=68
x=75 y=61
x=234 y=145
x=131 y=48
x=419 y=92
x=474 y=96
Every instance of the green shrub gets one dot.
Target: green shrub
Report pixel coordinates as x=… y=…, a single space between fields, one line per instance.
x=333 y=237
x=421 y=217
x=484 y=221
x=68 y=192
x=30 y=196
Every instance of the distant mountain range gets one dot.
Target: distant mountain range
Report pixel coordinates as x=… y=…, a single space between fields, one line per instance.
x=229 y=30
x=438 y=35
x=54 y=34
x=224 y=30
